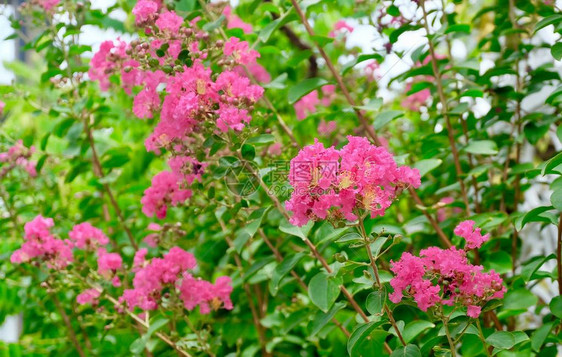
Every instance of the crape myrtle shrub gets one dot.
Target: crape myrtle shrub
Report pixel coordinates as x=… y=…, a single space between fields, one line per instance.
x=227 y=180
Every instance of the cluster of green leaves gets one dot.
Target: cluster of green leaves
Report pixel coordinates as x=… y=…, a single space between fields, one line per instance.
x=299 y=305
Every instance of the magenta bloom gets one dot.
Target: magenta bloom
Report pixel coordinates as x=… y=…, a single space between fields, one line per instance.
x=473 y=236
x=89 y=296
x=41 y=245
x=86 y=236
x=457 y=282
x=333 y=184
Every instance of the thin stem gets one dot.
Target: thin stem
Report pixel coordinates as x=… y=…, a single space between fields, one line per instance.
x=482 y=338
x=373 y=262
x=255 y=316
x=69 y=327
x=451 y=343
x=368 y=128
x=559 y=255
x=199 y=338
x=140 y=321
x=445 y=110
x=98 y=171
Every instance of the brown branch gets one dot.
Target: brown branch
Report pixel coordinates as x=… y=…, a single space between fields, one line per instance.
x=370 y=130
x=445 y=110
x=98 y=171
x=66 y=320
x=255 y=316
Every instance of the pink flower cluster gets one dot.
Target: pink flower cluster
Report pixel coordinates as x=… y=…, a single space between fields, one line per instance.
x=233 y=21
x=85 y=236
x=40 y=244
x=444 y=277
x=192 y=97
x=339 y=184
x=108 y=264
x=171 y=272
x=416 y=100
x=309 y=103
x=165 y=190
x=473 y=236
x=89 y=296
x=341 y=27
x=18 y=156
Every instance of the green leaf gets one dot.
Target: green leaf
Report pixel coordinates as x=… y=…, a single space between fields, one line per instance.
x=350 y=237
x=137 y=347
x=324 y=290
x=499 y=261
x=406 y=351
x=248 y=152
x=414 y=328
x=556 y=306
x=556 y=51
x=266 y=32
x=366 y=340
x=550 y=20
x=322 y=318
x=474 y=93
x=393 y=10
x=261 y=139
x=458 y=28
x=283 y=269
x=519 y=299
x=534 y=132
x=482 y=147
x=540 y=335
x=375 y=302
x=301 y=232
x=385 y=117
x=556 y=199
x=502 y=340
x=211 y=26
x=361 y=58
x=305 y=87
x=373 y=105
x=425 y=166
x=155 y=326
x=551 y=164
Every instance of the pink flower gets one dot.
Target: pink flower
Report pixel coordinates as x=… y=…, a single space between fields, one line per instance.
x=414 y=101
x=108 y=263
x=473 y=311
x=18 y=156
x=307 y=104
x=444 y=277
x=48 y=5
x=2 y=106
x=85 y=236
x=145 y=103
x=473 y=236
x=275 y=149
x=171 y=272
x=341 y=27
x=331 y=184
x=139 y=259
x=145 y=11
x=234 y=21
x=326 y=128
x=163 y=192
x=106 y=61
x=240 y=51
x=169 y=22
x=40 y=244
x=89 y=296
x=196 y=292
